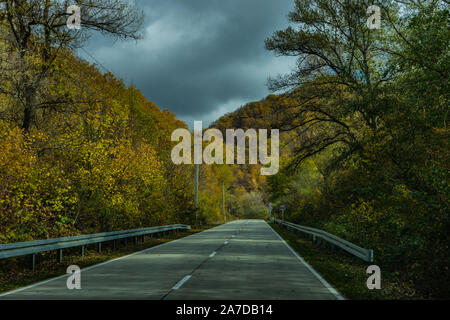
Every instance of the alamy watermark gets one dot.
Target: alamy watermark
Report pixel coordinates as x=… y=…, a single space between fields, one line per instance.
x=374 y=280
x=74 y=280
x=374 y=21
x=214 y=152
x=74 y=20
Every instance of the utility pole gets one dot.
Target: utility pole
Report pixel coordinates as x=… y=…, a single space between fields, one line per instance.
x=196 y=190
x=270 y=210
x=223 y=201
x=198 y=136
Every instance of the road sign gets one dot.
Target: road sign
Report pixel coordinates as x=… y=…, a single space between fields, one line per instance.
x=282 y=208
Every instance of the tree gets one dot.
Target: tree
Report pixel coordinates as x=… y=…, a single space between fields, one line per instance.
x=35 y=33
x=340 y=73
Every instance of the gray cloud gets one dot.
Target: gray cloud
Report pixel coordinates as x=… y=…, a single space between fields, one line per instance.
x=200 y=58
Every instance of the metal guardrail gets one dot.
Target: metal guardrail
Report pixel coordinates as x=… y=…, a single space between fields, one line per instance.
x=320 y=236
x=18 y=249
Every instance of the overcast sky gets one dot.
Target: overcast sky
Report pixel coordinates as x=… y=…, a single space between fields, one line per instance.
x=199 y=58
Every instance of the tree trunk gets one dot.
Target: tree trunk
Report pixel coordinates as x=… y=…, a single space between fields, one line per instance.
x=29 y=111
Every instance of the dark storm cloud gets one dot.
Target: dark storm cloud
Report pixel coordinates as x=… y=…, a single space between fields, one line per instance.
x=200 y=58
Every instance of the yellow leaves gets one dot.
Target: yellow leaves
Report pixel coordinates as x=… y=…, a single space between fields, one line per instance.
x=100 y=164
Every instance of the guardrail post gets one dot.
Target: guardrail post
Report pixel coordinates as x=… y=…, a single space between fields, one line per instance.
x=99 y=247
x=126 y=244
x=33 y=262
x=60 y=255
x=135 y=240
x=370 y=255
x=82 y=251
x=114 y=244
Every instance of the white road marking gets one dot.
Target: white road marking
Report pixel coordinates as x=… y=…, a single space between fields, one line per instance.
x=318 y=276
x=212 y=254
x=181 y=282
x=225 y=243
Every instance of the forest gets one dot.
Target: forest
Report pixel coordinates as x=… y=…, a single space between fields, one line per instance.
x=364 y=117
x=81 y=152
x=363 y=146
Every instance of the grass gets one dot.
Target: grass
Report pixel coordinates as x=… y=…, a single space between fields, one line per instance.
x=346 y=273
x=16 y=273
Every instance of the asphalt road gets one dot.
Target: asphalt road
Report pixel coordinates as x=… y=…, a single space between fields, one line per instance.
x=244 y=259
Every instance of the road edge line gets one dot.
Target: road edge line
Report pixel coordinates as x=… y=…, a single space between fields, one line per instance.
x=314 y=272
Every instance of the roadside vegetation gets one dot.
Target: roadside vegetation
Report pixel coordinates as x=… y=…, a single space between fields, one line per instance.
x=364 y=131
x=81 y=152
